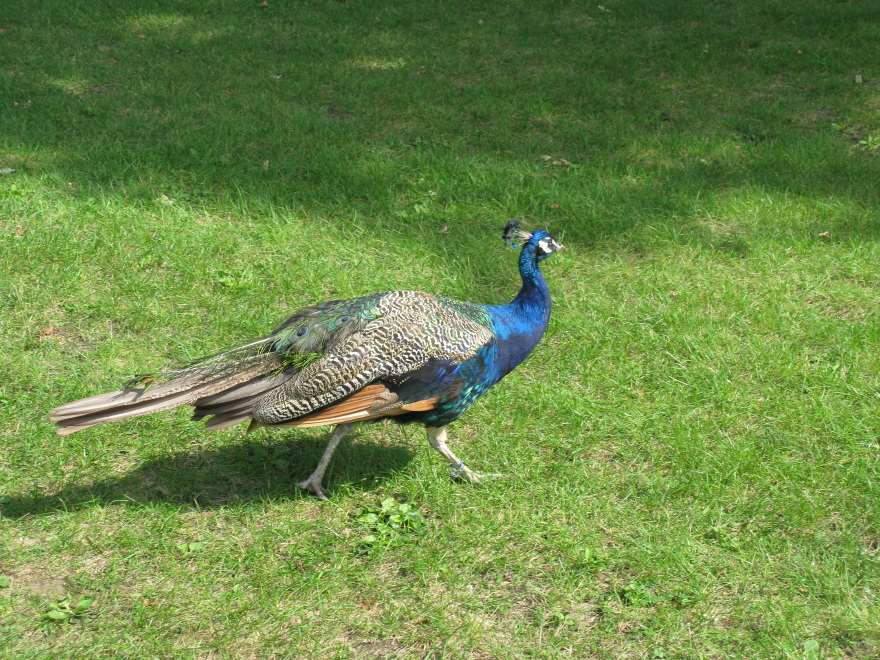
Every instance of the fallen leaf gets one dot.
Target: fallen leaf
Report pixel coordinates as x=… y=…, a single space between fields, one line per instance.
x=445 y=229
x=825 y=234
x=673 y=294
x=19 y=231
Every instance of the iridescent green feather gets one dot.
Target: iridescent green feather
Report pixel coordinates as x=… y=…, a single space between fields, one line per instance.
x=471 y=311
x=312 y=330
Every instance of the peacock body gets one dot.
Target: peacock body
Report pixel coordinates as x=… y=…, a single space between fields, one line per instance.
x=405 y=355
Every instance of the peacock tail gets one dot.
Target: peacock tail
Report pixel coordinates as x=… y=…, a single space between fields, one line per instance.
x=317 y=356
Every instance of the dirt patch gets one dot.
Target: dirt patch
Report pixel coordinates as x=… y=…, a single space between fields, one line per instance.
x=40 y=580
x=378 y=649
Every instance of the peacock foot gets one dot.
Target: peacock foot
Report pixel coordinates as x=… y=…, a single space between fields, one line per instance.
x=314 y=486
x=464 y=472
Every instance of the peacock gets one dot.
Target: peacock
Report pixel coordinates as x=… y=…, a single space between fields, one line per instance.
x=404 y=355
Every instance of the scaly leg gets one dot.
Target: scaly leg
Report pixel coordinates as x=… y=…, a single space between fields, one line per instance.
x=313 y=483
x=437 y=438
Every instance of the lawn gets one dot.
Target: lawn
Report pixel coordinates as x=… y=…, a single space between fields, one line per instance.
x=690 y=457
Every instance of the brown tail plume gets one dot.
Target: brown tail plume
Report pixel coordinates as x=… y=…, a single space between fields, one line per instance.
x=212 y=389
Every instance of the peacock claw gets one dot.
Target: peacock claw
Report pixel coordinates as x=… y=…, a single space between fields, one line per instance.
x=475 y=478
x=314 y=486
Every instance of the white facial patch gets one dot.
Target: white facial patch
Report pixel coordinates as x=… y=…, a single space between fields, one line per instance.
x=544 y=246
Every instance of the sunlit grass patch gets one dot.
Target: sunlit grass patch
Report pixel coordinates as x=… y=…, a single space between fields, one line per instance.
x=688 y=457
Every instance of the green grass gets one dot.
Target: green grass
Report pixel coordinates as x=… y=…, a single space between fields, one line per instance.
x=691 y=454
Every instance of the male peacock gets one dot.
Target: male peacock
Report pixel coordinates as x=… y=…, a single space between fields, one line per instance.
x=407 y=355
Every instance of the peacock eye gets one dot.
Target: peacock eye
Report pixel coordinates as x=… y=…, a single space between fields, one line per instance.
x=301 y=332
x=344 y=319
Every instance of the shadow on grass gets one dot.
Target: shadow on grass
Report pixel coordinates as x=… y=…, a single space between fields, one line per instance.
x=238 y=475
x=341 y=109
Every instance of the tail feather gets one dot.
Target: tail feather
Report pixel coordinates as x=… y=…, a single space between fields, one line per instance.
x=238 y=401
x=248 y=390
x=95 y=404
x=116 y=413
x=246 y=408
x=223 y=421
x=234 y=407
x=231 y=385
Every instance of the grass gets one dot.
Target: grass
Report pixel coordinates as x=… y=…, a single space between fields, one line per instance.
x=691 y=454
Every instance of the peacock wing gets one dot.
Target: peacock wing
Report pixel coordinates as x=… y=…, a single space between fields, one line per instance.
x=407 y=332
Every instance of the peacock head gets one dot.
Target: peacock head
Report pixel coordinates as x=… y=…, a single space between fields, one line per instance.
x=541 y=242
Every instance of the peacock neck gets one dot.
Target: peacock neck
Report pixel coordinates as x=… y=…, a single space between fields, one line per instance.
x=533 y=299
x=520 y=324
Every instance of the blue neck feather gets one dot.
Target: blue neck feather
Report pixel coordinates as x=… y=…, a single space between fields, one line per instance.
x=517 y=326
x=520 y=324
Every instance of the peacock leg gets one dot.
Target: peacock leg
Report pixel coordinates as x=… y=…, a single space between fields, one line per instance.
x=313 y=483
x=437 y=438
